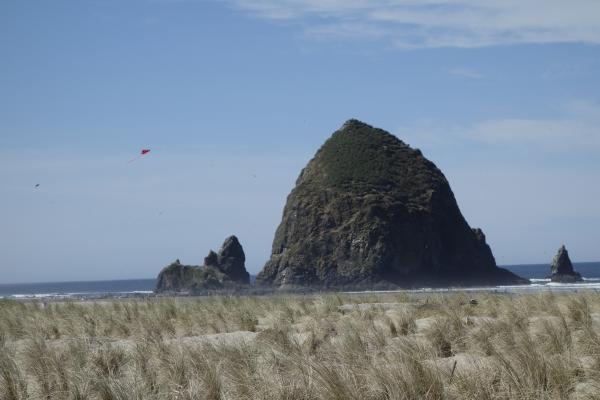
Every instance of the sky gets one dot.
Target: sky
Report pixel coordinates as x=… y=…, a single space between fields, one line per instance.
x=234 y=97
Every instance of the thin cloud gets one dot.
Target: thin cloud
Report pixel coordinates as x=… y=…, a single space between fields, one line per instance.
x=573 y=127
x=439 y=23
x=544 y=132
x=576 y=127
x=466 y=73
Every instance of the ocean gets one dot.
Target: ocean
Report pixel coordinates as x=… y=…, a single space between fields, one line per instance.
x=84 y=289
x=540 y=271
x=537 y=273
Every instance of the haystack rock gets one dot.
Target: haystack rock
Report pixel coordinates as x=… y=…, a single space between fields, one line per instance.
x=369 y=211
x=562 y=268
x=225 y=270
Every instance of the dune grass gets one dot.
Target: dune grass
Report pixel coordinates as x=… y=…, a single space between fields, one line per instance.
x=337 y=346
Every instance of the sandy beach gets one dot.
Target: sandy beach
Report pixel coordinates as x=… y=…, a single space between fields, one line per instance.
x=459 y=345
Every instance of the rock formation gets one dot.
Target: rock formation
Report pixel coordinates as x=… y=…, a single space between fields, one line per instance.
x=562 y=268
x=231 y=260
x=225 y=270
x=369 y=211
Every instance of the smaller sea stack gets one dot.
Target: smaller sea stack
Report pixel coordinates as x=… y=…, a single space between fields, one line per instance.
x=225 y=270
x=562 y=268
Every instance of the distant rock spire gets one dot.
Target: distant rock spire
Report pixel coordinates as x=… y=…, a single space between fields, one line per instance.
x=231 y=259
x=562 y=268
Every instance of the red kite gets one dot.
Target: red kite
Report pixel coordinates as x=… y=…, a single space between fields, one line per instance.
x=143 y=152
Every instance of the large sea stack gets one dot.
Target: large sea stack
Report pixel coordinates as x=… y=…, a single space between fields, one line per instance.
x=562 y=268
x=369 y=211
x=225 y=270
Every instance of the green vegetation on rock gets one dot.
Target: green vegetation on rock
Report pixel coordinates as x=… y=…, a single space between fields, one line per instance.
x=361 y=159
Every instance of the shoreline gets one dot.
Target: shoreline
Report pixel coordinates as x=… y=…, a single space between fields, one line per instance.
x=590 y=285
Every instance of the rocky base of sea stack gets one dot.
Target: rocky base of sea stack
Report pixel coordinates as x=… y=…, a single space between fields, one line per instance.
x=566 y=278
x=496 y=277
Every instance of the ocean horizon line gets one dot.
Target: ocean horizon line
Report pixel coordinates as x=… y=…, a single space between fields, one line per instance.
x=75 y=281
x=83 y=281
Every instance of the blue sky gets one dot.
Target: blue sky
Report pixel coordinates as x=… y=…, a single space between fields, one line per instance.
x=234 y=97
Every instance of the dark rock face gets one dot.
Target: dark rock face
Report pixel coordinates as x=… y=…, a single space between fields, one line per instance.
x=562 y=268
x=225 y=270
x=231 y=260
x=211 y=259
x=368 y=210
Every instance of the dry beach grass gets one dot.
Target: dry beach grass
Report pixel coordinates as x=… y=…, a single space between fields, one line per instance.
x=338 y=346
